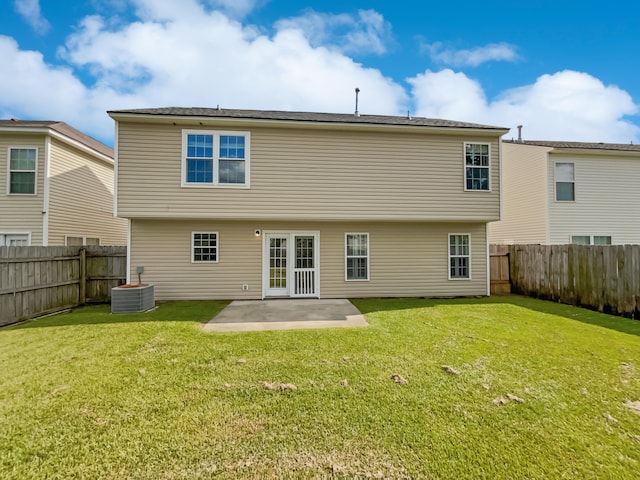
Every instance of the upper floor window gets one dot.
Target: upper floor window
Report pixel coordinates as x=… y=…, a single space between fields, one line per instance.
x=476 y=166
x=213 y=158
x=565 y=182
x=459 y=256
x=22 y=170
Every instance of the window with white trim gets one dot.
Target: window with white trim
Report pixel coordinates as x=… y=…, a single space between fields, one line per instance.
x=476 y=166
x=356 y=256
x=459 y=256
x=591 y=239
x=215 y=158
x=22 y=170
x=15 y=239
x=602 y=240
x=565 y=182
x=204 y=247
x=78 y=240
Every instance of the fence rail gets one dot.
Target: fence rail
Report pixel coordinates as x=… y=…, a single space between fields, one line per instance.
x=605 y=278
x=40 y=280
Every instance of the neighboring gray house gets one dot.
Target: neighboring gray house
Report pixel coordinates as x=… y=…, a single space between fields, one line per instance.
x=57 y=187
x=569 y=192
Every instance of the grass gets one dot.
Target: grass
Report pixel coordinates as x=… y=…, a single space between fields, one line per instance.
x=149 y=396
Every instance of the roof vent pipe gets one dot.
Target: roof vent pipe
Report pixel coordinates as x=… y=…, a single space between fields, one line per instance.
x=519 y=133
x=357 y=114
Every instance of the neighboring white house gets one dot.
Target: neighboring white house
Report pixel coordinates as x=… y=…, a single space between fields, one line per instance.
x=56 y=187
x=569 y=192
x=256 y=204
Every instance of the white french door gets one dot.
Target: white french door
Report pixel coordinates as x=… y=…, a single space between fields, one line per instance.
x=290 y=264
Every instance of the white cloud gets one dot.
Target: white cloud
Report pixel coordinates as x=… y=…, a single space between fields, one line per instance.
x=492 y=52
x=30 y=11
x=193 y=56
x=366 y=33
x=185 y=56
x=566 y=105
x=236 y=8
x=34 y=89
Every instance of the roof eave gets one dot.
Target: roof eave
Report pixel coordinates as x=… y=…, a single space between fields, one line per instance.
x=326 y=125
x=593 y=151
x=47 y=130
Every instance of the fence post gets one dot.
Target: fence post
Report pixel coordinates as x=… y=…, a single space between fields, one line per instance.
x=82 y=294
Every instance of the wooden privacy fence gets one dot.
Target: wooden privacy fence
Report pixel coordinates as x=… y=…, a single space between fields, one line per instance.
x=499 y=269
x=605 y=278
x=40 y=280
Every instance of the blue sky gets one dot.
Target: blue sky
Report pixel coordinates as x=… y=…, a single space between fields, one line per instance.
x=565 y=70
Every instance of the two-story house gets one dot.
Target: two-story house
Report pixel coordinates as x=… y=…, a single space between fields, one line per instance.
x=569 y=192
x=57 y=187
x=245 y=204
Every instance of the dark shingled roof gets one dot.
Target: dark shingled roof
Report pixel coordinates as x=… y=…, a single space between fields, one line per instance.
x=63 y=129
x=303 y=117
x=623 y=147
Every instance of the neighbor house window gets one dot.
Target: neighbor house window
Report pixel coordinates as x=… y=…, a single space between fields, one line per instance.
x=459 y=256
x=204 y=247
x=565 y=182
x=22 y=170
x=77 y=240
x=591 y=240
x=476 y=166
x=357 y=256
x=581 y=239
x=15 y=239
x=212 y=158
x=602 y=240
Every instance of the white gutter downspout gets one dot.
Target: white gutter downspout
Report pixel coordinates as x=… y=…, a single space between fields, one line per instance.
x=486 y=231
x=128 y=250
x=115 y=172
x=45 y=195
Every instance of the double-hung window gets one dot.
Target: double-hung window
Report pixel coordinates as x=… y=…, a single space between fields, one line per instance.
x=22 y=170
x=459 y=256
x=476 y=166
x=215 y=159
x=565 y=182
x=204 y=247
x=357 y=256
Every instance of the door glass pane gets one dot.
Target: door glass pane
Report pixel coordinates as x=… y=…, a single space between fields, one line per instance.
x=277 y=263
x=304 y=252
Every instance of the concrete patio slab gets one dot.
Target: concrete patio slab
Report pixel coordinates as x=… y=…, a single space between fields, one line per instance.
x=288 y=314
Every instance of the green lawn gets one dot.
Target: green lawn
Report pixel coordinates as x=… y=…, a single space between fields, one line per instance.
x=149 y=396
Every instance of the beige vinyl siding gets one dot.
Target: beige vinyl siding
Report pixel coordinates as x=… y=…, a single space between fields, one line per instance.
x=22 y=213
x=310 y=174
x=406 y=259
x=81 y=198
x=524 y=196
x=607 y=198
